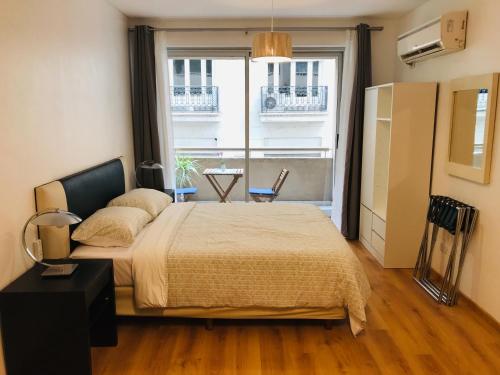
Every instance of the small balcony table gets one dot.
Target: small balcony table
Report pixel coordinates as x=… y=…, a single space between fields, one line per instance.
x=211 y=173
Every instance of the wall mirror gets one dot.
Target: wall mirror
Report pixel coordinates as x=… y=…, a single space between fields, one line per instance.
x=473 y=112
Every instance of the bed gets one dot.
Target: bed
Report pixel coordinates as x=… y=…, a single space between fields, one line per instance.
x=211 y=260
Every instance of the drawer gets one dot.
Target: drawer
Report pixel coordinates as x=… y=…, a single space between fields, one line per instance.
x=378 y=243
x=378 y=225
x=365 y=223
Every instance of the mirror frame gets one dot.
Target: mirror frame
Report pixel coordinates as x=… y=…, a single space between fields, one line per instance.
x=489 y=82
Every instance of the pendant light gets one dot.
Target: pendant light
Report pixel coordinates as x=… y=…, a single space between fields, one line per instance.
x=271 y=46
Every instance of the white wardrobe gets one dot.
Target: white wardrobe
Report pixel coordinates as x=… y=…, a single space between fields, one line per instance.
x=396 y=171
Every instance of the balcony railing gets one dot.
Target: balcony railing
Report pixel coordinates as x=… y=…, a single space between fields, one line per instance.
x=276 y=99
x=204 y=99
x=256 y=152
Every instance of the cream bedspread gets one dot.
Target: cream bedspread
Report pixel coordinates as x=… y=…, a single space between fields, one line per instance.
x=242 y=255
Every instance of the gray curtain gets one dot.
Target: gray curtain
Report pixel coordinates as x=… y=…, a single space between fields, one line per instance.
x=352 y=180
x=144 y=106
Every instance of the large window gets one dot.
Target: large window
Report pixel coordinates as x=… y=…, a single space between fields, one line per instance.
x=301 y=79
x=208 y=74
x=301 y=74
x=291 y=112
x=305 y=79
x=298 y=88
x=315 y=77
x=193 y=89
x=284 y=81
x=270 y=77
x=179 y=77
x=195 y=76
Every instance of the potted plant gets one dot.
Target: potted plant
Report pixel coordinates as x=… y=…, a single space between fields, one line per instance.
x=185 y=168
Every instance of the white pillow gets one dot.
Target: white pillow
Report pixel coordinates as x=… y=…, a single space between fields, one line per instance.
x=150 y=200
x=112 y=226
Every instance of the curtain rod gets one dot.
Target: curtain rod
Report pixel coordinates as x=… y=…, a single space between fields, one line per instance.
x=252 y=29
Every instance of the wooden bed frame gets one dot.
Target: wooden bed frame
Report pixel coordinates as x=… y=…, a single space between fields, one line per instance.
x=85 y=192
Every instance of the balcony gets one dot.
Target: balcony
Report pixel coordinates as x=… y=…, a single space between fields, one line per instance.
x=290 y=99
x=194 y=99
x=310 y=178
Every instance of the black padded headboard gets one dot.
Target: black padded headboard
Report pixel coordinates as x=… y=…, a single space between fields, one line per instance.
x=92 y=189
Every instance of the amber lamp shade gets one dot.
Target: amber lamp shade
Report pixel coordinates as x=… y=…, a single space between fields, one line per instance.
x=272 y=47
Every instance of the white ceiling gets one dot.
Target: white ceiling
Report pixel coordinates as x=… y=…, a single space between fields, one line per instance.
x=262 y=8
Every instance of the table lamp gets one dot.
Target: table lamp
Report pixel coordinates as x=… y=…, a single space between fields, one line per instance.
x=148 y=165
x=51 y=217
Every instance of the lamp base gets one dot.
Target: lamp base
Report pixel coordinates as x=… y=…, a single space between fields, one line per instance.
x=59 y=270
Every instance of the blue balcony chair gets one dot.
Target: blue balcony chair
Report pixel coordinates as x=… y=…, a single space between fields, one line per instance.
x=186 y=192
x=269 y=194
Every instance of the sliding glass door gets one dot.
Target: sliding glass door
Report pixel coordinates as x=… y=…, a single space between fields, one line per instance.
x=232 y=113
x=208 y=109
x=293 y=114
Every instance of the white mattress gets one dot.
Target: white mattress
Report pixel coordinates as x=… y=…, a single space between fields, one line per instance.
x=122 y=260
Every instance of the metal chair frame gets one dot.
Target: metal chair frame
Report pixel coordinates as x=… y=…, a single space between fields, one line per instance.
x=459 y=219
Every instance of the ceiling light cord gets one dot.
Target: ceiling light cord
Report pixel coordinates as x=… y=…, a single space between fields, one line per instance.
x=272 y=15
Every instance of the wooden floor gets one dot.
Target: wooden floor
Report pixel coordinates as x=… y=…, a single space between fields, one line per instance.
x=407 y=333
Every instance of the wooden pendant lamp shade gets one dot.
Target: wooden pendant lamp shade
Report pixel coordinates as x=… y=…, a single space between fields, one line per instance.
x=272 y=47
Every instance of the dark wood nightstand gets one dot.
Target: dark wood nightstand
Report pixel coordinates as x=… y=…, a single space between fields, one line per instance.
x=49 y=325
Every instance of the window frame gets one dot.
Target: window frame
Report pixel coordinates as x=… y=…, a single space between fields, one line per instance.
x=245 y=52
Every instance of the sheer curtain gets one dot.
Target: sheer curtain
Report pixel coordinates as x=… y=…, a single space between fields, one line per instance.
x=348 y=73
x=164 y=114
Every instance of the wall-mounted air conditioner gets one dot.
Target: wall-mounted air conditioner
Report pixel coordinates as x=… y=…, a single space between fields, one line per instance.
x=440 y=36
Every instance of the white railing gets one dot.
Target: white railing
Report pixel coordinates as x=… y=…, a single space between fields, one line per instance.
x=198 y=99
x=294 y=99
x=261 y=152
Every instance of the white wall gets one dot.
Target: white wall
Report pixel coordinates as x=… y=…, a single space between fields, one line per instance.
x=480 y=279
x=64 y=103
